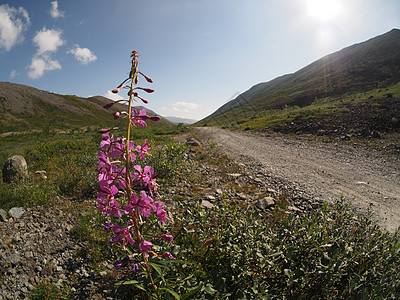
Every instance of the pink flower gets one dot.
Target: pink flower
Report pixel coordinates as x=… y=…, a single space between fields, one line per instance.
x=141 y=204
x=142 y=150
x=145 y=246
x=122 y=235
x=167 y=237
x=168 y=255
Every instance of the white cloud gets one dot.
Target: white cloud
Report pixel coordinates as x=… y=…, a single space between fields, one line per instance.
x=13 y=74
x=181 y=109
x=40 y=64
x=13 y=22
x=47 y=41
x=54 y=12
x=112 y=96
x=82 y=55
x=184 y=106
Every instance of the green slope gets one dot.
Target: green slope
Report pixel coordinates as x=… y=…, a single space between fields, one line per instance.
x=23 y=108
x=358 y=72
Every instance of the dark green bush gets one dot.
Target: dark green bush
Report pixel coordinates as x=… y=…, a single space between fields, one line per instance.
x=331 y=253
x=168 y=160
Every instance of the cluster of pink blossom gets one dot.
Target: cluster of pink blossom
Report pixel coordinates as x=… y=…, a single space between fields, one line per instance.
x=127 y=190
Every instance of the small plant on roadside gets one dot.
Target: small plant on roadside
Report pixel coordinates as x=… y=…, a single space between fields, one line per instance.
x=49 y=291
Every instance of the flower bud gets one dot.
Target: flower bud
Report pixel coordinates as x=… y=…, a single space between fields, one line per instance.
x=116 y=91
x=107 y=106
x=146 y=90
x=144 y=100
x=146 y=77
x=105 y=130
x=155 y=118
x=116 y=115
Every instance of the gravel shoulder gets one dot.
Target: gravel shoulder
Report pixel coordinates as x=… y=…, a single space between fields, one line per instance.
x=322 y=171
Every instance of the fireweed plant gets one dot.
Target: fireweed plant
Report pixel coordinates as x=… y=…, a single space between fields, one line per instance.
x=128 y=196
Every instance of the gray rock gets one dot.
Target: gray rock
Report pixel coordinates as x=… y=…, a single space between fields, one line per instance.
x=192 y=142
x=211 y=198
x=241 y=196
x=15 y=169
x=265 y=203
x=42 y=174
x=207 y=204
x=16 y=212
x=3 y=215
x=218 y=191
x=234 y=174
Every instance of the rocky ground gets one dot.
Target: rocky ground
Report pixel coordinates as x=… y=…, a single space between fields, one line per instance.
x=376 y=118
x=41 y=246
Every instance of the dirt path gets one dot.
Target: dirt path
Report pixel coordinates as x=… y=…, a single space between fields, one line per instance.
x=324 y=171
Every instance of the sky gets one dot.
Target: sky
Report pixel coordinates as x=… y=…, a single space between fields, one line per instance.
x=199 y=53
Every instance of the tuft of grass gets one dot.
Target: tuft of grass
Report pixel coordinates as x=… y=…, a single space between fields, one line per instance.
x=49 y=291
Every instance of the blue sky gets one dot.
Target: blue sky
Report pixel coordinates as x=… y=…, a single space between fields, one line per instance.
x=200 y=53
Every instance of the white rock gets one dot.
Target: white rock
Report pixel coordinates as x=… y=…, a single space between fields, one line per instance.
x=16 y=212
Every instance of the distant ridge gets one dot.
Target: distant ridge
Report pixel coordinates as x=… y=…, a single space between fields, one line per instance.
x=372 y=64
x=177 y=120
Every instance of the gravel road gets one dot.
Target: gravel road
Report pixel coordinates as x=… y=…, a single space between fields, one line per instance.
x=322 y=170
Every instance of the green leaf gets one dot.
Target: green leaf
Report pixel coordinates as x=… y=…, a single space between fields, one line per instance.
x=156 y=267
x=192 y=293
x=209 y=289
x=173 y=293
x=123 y=282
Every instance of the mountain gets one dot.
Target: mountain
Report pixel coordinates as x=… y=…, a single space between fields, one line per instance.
x=25 y=108
x=372 y=66
x=177 y=120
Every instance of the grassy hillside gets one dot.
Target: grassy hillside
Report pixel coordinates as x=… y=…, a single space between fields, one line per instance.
x=23 y=108
x=352 y=76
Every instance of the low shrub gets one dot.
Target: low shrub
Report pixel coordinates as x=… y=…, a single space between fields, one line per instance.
x=331 y=253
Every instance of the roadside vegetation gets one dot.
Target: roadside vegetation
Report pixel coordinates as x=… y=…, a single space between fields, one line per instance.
x=230 y=251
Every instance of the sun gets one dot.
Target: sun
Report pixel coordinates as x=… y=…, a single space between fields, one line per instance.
x=324 y=10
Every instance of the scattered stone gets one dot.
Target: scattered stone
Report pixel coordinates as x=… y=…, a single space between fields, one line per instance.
x=3 y=215
x=42 y=174
x=16 y=212
x=234 y=174
x=207 y=204
x=15 y=169
x=293 y=208
x=211 y=198
x=241 y=196
x=103 y=273
x=218 y=191
x=265 y=203
x=362 y=183
x=192 y=142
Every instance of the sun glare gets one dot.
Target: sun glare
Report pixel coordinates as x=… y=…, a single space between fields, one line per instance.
x=324 y=10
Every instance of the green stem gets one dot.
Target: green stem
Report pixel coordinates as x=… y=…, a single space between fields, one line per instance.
x=139 y=237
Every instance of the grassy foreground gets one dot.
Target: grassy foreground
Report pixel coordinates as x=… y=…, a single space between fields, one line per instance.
x=229 y=251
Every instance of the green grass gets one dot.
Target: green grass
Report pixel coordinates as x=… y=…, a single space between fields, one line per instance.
x=258 y=118
x=70 y=162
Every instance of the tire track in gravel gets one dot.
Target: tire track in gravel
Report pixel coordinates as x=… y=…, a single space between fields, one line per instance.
x=323 y=170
